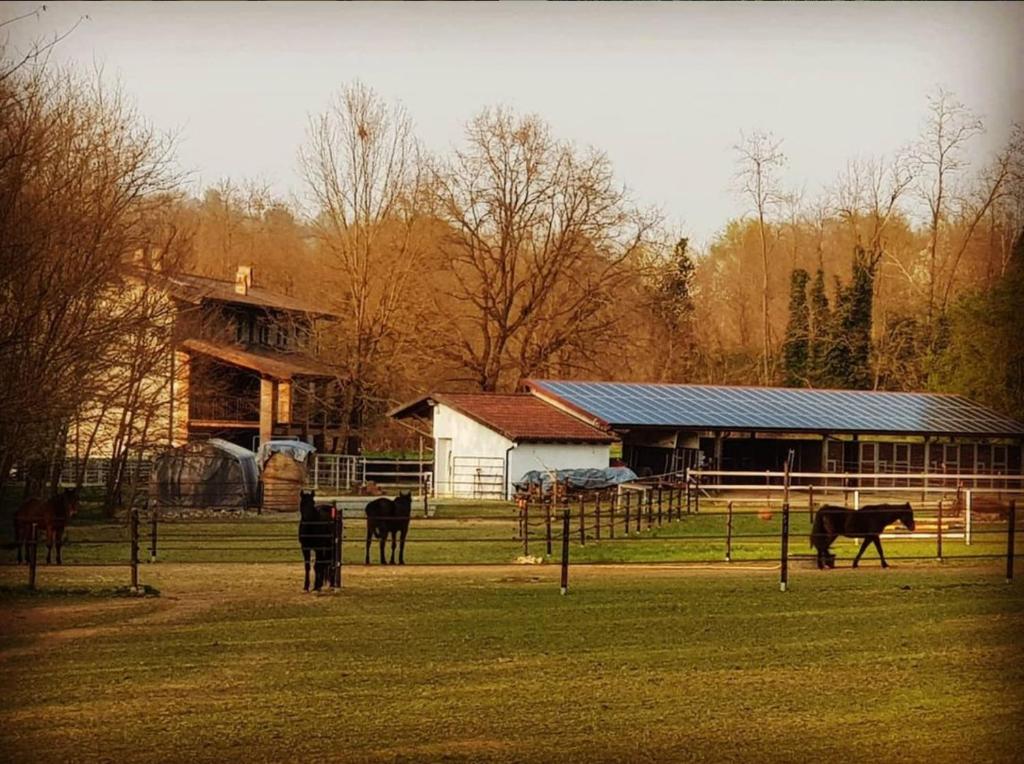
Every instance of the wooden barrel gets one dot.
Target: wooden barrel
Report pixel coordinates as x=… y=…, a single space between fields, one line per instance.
x=282 y=480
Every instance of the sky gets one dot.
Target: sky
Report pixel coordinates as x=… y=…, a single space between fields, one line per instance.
x=664 y=89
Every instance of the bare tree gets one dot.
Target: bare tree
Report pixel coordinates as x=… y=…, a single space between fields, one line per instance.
x=939 y=159
x=540 y=233
x=79 y=173
x=758 y=163
x=362 y=168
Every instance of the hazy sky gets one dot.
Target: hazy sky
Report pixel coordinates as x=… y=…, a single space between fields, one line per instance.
x=664 y=89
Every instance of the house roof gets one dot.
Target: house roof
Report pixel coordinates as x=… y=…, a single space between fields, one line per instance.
x=623 y=405
x=275 y=365
x=195 y=289
x=519 y=417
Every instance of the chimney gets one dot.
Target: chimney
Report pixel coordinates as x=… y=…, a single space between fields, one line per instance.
x=243 y=279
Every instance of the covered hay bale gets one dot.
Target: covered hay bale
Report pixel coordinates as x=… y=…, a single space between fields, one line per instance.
x=283 y=478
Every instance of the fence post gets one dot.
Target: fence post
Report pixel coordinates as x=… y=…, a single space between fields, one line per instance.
x=687 y=497
x=1010 y=530
x=339 y=535
x=547 y=528
x=659 y=505
x=671 y=501
x=967 y=518
x=526 y=527
x=583 y=527
x=134 y=533
x=152 y=534
x=784 y=574
x=810 y=502
x=650 y=508
x=597 y=517
x=423 y=490
x=728 y=534
x=32 y=549
x=565 y=551
x=856 y=499
x=626 y=526
x=938 y=536
x=611 y=510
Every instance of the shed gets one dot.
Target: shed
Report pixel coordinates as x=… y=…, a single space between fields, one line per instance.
x=668 y=427
x=209 y=474
x=485 y=442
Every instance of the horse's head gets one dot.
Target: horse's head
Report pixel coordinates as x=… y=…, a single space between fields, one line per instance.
x=307 y=502
x=906 y=516
x=70 y=499
x=404 y=502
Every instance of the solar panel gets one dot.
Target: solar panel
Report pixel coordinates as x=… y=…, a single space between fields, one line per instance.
x=702 y=407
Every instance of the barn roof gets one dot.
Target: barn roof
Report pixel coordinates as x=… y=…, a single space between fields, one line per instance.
x=196 y=289
x=268 y=364
x=517 y=416
x=622 y=405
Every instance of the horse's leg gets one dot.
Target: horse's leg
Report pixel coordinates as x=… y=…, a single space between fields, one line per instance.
x=401 y=546
x=369 y=538
x=305 y=564
x=863 y=547
x=394 y=540
x=878 y=545
x=49 y=544
x=383 y=541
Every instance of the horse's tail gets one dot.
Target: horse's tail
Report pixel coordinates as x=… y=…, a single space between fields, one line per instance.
x=817 y=528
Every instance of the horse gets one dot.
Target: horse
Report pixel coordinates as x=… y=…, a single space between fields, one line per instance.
x=867 y=523
x=384 y=516
x=316 y=537
x=54 y=514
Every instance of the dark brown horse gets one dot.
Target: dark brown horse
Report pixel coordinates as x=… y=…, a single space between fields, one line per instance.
x=384 y=516
x=51 y=515
x=316 y=537
x=867 y=523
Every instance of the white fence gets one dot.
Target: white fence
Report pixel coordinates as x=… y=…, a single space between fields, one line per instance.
x=343 y=473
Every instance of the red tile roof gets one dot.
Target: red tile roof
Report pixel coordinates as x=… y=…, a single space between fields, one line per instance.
x=519 y=416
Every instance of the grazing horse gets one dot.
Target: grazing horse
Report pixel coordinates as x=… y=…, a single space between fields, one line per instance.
x=384 y=516
x=53 y=515
x=867 y=523
x=316 y=537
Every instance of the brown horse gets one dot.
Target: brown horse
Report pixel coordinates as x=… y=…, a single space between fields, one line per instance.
x=53 y=515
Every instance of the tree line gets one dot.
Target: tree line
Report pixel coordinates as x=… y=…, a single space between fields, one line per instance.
x=515 y=255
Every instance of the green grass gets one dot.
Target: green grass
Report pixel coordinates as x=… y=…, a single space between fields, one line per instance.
x=919 y=663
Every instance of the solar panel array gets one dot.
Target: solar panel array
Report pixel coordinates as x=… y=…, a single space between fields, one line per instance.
x=701 y=407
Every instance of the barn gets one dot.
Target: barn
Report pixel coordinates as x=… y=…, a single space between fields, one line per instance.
x=484 y=442
x=669 y=427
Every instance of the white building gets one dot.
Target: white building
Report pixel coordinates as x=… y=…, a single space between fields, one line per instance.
x=485 y=442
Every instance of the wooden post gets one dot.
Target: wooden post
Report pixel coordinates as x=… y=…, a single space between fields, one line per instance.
x=810 y=502
x=152 y=534
x=339 y=536
x=547 y=529
x=32 y=549
x=597 y=517
x=784 y=574
x=938 y=536
x=671 y=501
x=728 y=534
x=650 y=508
x=565 y=551
x=526 y=528
x=626 y=526
x=583 y=526
x=611 y=510
x=659 y=505
x=1010 y=530
x=423 y=484
x=687 y=497
x=967 y=518
x=134 y=526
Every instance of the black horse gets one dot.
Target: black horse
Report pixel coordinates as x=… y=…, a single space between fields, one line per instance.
x=384 y=516
x=316 y=536
x=50 y=516
x=867 y=523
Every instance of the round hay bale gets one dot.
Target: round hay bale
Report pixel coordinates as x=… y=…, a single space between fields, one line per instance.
x=283 y=478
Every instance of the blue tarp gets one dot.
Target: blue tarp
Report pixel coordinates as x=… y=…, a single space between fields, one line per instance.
x=580 y=479
x=296 y=449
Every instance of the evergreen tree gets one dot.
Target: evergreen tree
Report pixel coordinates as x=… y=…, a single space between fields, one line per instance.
x=818 y=332
x=848 y=354
x=795 y=349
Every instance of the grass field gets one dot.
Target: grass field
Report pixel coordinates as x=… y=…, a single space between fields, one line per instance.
x=233 y=661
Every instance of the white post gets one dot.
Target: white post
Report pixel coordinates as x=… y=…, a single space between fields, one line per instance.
x=856 y=499
x=967 y=519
